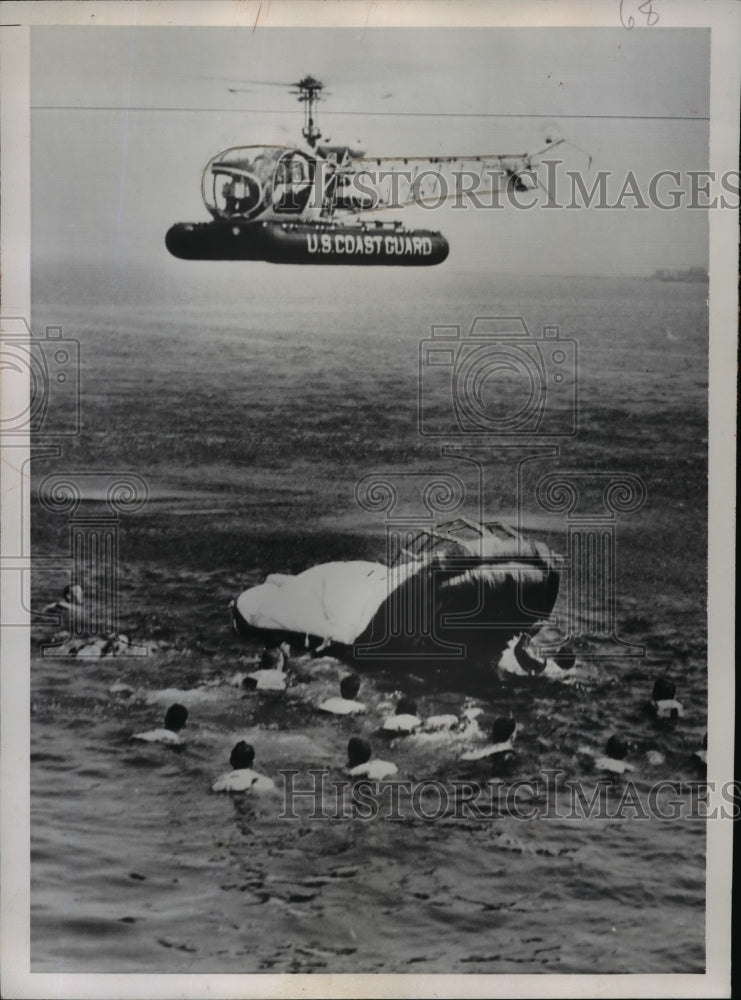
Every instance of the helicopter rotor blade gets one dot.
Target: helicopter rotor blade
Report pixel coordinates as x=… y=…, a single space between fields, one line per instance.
x=273 y=83
x=306 y=82
x=237 y=83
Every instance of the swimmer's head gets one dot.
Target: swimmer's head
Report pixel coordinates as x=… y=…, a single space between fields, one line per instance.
x=616 y=747
x=176 y=717
x=664 y=689
x=242 y=755
x=73 y=593
x=273 y=658
x=349 y=687
x=358 y=751
x=503 y=730
x=406 y=706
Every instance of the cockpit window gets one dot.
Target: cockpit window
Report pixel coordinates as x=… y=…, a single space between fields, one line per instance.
x=238 y=183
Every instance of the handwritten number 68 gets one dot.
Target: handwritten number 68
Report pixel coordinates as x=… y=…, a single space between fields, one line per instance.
x=646 y=9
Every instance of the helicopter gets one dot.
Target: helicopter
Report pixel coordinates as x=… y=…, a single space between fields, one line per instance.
x=315 y=205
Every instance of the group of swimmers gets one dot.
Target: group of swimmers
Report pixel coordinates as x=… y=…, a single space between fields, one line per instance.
x=241 y=778
x=519 y=658
x=500 y=751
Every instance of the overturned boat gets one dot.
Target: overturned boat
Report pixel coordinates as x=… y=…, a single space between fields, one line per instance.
x=456 y=593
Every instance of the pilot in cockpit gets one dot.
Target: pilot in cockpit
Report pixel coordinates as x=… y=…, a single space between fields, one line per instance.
x=230 y=201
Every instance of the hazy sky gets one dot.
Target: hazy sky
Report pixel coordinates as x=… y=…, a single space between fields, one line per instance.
x=124 y=119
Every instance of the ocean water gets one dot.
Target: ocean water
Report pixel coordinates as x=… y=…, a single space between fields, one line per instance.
x=252 y=405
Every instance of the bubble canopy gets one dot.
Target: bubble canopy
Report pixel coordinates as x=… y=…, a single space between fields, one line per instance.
x=246 y=182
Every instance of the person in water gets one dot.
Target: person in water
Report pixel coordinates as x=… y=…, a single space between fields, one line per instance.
x=663 y=703
x=361 y=765
x=616 y=750
x=242 y=778
x=440 y=723
x=519 y=658
x=346 y=703
x=405 y=719
x=271 y=673
x=501 y=749
x=274 y=658
x=175 y=720
x=69 y=609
